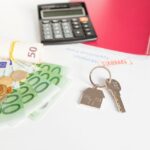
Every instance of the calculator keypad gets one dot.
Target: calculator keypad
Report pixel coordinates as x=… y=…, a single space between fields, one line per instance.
x=47 y=30
x=67 y=29
x=78 y=33
x=57 y=30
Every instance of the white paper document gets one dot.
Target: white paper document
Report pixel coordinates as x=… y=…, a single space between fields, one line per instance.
x=81 y=59
x=132 y=71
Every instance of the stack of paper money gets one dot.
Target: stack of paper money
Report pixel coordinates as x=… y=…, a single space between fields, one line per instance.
x=27 y=90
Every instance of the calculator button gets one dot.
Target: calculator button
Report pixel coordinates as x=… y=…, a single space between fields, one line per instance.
x=56 y=28
x=55 y=21
x=57 y=32
x=64 y=20
x=65 y=24
x=75 y=23
x=46 y=29
x=89 y=33
x=84 y=19
x=47 y=32
x=76 y=26
x=87 y=29
x=58 y=36
x=67 y=30
x=86 y=25
x=74 y=19
x=66 y=27
x=78 y=33
x=48 y=37
x=46 y=25
x=56 y=25
x=45 y=21
x=68 y=35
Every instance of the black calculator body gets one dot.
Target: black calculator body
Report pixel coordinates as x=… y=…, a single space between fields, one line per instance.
x=65 y=23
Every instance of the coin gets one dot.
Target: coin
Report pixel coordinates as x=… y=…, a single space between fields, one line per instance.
x=9 y=90
x=19 y=75
x=6 y=81
x=3 y=90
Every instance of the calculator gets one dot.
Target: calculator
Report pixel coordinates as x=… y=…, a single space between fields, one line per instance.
x=65 y=23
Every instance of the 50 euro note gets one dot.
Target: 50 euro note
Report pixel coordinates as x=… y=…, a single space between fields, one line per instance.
x=32 y=52
x=24 y=51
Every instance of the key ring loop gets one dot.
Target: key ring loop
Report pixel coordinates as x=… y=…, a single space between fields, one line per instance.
x=90 y=76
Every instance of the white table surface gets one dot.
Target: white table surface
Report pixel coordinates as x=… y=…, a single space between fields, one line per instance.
x=67 y=126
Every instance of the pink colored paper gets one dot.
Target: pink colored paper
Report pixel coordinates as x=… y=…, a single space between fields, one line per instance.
x=122 y=25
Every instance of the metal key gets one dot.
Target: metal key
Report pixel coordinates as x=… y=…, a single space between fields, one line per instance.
x=114 y=88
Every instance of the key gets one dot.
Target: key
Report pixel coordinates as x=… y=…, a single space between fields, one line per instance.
x=92 y=97
x=114 y=88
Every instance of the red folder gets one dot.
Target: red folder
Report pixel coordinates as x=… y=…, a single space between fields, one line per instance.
x=122 y=25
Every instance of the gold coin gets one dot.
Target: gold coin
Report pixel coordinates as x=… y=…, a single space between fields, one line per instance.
x=6 y=81
x=3 y=90
x=19 y=75
x=9 y=90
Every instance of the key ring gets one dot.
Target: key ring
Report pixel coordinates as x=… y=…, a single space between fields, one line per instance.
x=90 y=76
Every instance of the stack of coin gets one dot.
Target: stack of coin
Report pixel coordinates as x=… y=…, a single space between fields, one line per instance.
x=3 y=91
x=5 y=86
x=9 y=90
x=6 y=81
x=18 y=75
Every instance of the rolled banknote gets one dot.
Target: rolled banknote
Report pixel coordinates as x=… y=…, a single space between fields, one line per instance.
x=15 y=50
x=34 y=52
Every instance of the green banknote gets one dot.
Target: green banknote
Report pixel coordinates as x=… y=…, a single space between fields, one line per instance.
x=53 y=69
x=44 y=109
x=39 y=89
x=43 y=91
x=53 y=75
x=12 y=108
x=57 y=75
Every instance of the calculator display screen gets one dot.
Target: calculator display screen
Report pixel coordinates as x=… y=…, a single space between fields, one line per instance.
x=69 y=12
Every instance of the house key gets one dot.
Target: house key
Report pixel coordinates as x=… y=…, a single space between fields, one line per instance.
x=94 y=96
x=114 y=88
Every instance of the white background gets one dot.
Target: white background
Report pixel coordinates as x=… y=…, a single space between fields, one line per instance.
x=68 y=125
